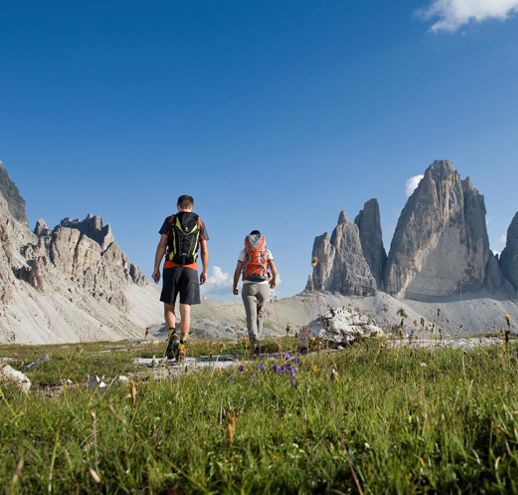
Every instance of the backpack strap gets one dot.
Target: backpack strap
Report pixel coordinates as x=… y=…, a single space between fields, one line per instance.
x=170 y=234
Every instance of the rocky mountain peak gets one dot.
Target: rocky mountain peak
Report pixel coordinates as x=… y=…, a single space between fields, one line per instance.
x=440 y=170
x=509 y=258
x=342 y=218
x=371 y=238
x=468 y=184
x=41 y=227
x=15 y=202
x=339 y=265
x=72 y=280
x=441 y=246
x=93 y=227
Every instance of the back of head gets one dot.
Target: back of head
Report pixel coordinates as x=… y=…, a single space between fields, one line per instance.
x=185 y=202
x=254 y=238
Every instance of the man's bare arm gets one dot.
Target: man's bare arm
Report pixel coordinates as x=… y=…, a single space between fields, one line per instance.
x=204 y=260
x=275 y=274
x=159 y=255
x=237 y=274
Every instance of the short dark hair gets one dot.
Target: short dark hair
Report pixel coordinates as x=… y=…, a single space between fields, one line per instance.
x=185 y=202
x=255 y=232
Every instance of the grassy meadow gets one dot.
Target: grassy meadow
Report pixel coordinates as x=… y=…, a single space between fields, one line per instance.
x=369 y=419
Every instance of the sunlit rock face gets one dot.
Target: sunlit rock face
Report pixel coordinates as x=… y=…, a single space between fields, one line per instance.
x=66 y=284
x=369 y=227
x=15 y=204
x=339 y=264
x=441 y=246
x=509 y=258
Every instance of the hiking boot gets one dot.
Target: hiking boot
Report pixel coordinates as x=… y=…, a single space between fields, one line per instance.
x=180 y=351
x=172 y=345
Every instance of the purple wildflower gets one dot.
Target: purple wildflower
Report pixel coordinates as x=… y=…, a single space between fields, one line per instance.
x=261 y=367
x=287 y=356
x=241 y=368
x=277 y=368
x=296 y=361
x=293 y=372
x=293 y=383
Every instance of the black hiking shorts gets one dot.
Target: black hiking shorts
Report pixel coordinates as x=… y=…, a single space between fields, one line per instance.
x=183 y=281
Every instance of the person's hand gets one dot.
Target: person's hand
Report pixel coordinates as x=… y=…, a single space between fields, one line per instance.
x=203 y=278
x=156 y=276
x=273 y=283
x=235 y=291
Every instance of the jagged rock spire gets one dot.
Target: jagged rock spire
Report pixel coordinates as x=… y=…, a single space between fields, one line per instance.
x=509 y=257
x=41 y=227
x=93 y=227
x=339 y=265
x=369 y=226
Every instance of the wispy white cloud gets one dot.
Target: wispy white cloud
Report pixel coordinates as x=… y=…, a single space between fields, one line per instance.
x=450 y=15
x=219 y=283
x=411 y=184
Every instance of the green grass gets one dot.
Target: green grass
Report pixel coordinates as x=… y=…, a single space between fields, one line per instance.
x=108 y=359
x=401 y=421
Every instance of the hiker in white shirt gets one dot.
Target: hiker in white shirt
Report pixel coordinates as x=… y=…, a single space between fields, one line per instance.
x=257 y=267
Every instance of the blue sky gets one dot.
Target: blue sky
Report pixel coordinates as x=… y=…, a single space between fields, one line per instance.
x=274 y=114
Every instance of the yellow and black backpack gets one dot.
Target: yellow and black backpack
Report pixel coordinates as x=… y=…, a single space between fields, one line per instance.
x=184 y=239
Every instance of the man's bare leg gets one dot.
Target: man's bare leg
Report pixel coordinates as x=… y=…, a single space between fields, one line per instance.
x=185 y=324
x=170 y=318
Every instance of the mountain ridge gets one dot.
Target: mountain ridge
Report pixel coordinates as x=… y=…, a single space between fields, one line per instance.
x=69 y=283
x=440 y=247
x=73 y=283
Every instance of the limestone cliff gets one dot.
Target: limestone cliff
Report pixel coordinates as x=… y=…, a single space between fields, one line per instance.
x=14 y=202
x=369 y=226
x=440 y=246
x=67 y=284
x=339 y=264
x=509 y=258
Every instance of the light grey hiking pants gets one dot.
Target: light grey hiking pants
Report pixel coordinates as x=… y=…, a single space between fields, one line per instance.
x=255 y=297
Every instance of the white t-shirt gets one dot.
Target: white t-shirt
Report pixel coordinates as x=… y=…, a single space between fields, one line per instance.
x=242 y=259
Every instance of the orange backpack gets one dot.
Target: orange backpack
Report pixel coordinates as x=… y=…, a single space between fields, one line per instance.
x=255 y=267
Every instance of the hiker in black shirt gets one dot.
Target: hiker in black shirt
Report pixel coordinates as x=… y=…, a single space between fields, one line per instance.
x=182 y=236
